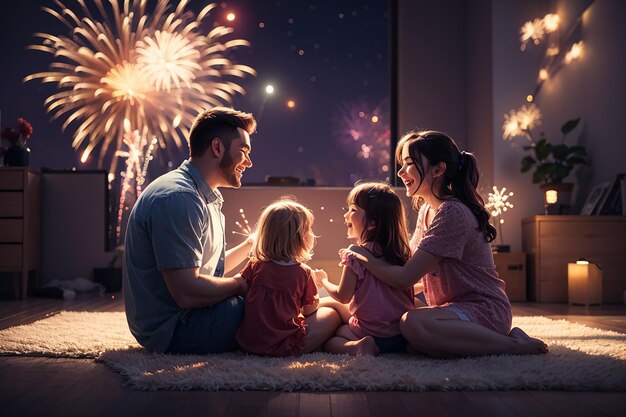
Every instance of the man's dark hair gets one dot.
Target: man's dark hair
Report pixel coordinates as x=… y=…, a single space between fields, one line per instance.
x=218 y=122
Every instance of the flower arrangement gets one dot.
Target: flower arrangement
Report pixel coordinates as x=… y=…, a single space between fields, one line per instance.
x=19 y=136
x=553 y=163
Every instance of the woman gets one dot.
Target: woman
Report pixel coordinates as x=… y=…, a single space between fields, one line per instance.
x=468 y=312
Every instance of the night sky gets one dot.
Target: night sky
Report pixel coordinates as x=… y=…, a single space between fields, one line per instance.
x=329 y=57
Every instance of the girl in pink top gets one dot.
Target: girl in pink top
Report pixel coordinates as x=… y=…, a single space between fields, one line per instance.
x=281 y=315
x=375 y=218
x=468 y=312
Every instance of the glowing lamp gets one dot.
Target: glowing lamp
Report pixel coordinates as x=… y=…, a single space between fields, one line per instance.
x=556 y=197
x=584 y=283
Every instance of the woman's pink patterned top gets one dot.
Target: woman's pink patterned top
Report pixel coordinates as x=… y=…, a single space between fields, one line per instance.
x=466 y=277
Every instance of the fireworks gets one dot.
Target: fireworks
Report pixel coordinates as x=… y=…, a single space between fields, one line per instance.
x=359 y=130
x=155 y=68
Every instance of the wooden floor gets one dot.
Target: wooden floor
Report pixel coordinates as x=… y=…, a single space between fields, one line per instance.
x=75 y=387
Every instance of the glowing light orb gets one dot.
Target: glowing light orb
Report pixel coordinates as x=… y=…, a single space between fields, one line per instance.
x=552 y=196
x=520 y=122
x=551 y=22
x=291 y=104
x=574 y=53
x=269 y=89
x=230 y=17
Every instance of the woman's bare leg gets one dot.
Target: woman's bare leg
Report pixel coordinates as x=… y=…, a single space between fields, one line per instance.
x=345 y=341
x=321 y=326
x=441 y=333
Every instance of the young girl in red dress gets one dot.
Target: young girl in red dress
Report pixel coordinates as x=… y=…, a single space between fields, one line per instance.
x=281 y=316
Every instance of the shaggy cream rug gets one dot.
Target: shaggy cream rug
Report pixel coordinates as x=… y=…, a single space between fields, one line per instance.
x=580 y=358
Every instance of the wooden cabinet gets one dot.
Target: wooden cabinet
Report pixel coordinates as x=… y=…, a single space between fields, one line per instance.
x=552 y=242
x=20 y=224
x=511 y=267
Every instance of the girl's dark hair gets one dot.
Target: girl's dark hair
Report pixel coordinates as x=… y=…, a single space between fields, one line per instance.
x=461 y=174
x=385 y=221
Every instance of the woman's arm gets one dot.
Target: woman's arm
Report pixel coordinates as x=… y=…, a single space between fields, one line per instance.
x=401 y=277
x=345 y=290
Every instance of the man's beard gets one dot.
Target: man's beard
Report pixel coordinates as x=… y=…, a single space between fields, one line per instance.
x=228 y=170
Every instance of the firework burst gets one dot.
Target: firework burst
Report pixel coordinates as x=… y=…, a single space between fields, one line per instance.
x=361 y=131
x=155 y=69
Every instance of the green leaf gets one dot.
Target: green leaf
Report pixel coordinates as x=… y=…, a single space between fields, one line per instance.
x=542 y=150
x=527 y=163
x=543 y=172
x=560 y=172
x=569 y=126
x=560 y=152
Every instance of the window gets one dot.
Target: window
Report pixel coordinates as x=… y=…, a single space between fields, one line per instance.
x=327 y=121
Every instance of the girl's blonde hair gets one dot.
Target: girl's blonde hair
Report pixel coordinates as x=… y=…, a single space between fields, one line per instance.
x=281 y=232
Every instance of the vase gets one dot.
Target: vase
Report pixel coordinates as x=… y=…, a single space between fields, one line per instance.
x=17 y=156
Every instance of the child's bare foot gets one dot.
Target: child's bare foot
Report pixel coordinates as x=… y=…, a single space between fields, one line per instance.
x=366 y=346
x=527 y=344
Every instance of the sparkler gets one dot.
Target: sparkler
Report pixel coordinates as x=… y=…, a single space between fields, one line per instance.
x=497 y=204
x=244 y=227
x=138 y=155
x=155 y=68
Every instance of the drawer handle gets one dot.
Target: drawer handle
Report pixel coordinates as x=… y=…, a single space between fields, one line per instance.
x=515 y=267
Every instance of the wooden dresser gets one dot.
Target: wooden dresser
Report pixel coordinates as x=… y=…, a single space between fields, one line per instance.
x=552 y=242
x=20 y=224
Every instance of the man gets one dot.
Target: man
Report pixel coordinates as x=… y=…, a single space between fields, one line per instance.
x=176 y=297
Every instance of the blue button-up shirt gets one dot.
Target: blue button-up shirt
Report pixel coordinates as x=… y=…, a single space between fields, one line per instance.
x=176 y=223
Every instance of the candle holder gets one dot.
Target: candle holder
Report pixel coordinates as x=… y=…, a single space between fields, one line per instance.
x=584 y=283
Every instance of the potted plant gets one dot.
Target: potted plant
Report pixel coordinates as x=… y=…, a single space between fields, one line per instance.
x=552 y=163
x=111 y=276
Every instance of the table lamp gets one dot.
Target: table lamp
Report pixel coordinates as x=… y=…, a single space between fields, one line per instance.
x=584 y=283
